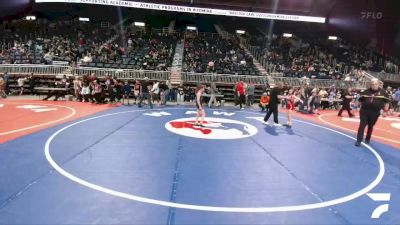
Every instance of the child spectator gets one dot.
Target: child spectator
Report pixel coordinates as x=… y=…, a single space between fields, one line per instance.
x=264 y=102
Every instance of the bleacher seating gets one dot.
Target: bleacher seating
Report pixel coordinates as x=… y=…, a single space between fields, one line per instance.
x=145 y=51
x=210 y=54
x=316 y=57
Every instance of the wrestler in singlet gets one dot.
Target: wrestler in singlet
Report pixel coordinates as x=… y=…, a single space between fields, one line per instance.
x=290 y=102
x=200 y=97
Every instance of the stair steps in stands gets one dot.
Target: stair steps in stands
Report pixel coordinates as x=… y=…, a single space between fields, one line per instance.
x=176 y=69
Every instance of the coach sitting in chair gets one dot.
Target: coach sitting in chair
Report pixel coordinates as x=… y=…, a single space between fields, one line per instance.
x=60 y=89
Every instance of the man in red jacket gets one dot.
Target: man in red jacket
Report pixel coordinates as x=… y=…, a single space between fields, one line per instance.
x=241 y=93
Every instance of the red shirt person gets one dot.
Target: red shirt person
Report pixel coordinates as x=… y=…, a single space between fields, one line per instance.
x=241 y=92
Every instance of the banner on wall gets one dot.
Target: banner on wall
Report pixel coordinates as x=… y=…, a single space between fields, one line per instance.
x=187 y=9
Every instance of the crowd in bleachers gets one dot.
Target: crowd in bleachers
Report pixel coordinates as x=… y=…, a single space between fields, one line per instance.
x=84 y=43
x=216 y=55
x=315 y=57
x=143 y=51
x=43 y=42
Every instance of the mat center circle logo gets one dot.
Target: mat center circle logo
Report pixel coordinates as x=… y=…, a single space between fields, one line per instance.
x=214 y=128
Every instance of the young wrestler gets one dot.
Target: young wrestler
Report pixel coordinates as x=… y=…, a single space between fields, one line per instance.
x=291 y=97
x=200 y=110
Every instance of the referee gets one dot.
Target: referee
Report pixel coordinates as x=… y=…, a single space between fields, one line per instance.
x=373 y=100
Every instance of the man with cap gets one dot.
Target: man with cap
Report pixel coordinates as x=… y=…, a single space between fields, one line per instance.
x=373 y=100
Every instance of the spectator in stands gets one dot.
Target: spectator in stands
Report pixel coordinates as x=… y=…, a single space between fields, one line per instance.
x=48 y=57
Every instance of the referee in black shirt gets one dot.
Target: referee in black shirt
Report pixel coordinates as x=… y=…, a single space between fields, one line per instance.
x=373 y=100
x=275 y=97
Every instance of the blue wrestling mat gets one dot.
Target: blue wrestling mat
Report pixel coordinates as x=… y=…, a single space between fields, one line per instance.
x=136 y=166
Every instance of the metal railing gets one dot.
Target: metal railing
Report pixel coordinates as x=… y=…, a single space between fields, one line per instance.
x=123 y=74
x=321 y=83
x=207 y=78
x=384 y=76
x=23 y=69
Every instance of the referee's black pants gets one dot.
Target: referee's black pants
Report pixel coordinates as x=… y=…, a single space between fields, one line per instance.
x=273 y=109
x=367 y=118
x=345 y=107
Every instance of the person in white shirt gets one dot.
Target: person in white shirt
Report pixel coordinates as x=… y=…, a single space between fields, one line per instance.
x=155 y=92
x=21 y=83
x=85 y=92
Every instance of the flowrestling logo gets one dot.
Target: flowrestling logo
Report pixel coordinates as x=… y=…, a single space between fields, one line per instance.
x=215 y=128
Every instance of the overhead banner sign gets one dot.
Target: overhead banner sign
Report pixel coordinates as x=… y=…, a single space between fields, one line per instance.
x=186 y=9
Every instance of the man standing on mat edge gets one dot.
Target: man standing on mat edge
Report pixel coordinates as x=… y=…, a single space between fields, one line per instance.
x=373 y=100
x=145 y=93
x=273 y=104
x=200 y=110
x=241 y=93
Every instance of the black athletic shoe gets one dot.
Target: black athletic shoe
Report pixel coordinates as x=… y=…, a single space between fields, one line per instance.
x=358 y=144
x=367 y=142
